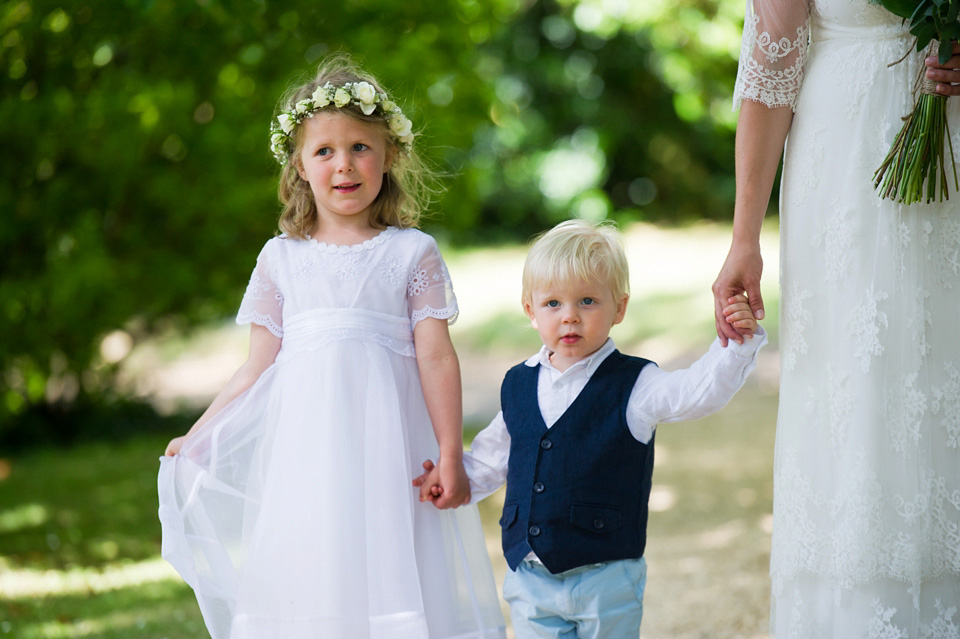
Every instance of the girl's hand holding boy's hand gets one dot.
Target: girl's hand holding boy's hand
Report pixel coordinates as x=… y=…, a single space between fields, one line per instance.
x=446 y=484
x=454 y=484
x=429 y=482
x=740 y=316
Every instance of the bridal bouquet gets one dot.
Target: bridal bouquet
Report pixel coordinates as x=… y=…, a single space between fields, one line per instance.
x=916 y=157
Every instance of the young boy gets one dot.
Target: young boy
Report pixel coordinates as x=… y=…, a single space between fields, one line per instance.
x=574 y=440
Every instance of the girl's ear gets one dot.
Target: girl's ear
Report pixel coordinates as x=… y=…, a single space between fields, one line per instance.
x=299 y=166
x=389 y=156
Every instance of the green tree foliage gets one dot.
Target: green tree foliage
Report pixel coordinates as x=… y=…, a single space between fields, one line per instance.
x=136 y=184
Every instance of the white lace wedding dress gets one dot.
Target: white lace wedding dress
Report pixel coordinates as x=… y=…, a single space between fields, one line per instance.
x=291 y=513
x=866 y=534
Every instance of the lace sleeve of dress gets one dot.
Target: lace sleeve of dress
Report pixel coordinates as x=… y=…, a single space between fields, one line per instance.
x=429 y=288
x=263 y=302
x=772 y=53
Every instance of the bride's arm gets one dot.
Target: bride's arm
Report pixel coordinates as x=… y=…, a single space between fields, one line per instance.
x=775 y=39
x=264 y=347
x=761 y=133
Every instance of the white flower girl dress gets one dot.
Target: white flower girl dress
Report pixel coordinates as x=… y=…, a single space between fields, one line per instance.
x=291 y=513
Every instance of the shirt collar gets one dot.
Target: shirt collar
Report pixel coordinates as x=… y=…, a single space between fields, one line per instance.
x=590 y=364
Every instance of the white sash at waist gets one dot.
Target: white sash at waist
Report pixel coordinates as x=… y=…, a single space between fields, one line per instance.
x=314 y=329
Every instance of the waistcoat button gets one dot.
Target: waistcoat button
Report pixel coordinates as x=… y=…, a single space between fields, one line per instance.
x=538 y=487
x=534 y=531
x=546 y=444
x=598 y=523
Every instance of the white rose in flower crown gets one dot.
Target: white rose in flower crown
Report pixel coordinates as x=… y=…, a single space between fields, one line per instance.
x=341 y=98
x=388 y=105
x=365 y=92
x=320 y=98
x=302 y=107
x=287 y=122
x=401 y=126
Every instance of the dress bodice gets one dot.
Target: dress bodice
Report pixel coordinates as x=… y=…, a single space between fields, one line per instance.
x=380 y=289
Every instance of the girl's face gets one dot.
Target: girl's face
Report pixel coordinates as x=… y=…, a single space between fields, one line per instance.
x=344 y=161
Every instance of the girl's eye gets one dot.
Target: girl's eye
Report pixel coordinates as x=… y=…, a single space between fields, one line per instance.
x=360 y=146
x=323 y=151
x=553 y=303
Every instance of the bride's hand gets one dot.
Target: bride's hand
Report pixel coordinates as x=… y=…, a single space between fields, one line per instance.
x=947 y=76
x=740 y=274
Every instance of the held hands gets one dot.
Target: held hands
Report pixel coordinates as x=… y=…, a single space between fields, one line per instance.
x=740 y=274
x=446 y=484
x=739 y=315
x=947 y=75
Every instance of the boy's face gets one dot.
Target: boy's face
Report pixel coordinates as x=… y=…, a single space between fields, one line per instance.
x=574 y=319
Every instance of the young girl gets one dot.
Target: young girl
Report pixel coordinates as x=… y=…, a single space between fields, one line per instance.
x=288 y=506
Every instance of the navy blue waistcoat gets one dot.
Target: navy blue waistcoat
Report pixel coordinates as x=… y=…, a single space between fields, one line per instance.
x=576 y=492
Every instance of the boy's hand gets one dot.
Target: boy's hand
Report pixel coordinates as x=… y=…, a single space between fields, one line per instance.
x=740 y=316
x=429 y=483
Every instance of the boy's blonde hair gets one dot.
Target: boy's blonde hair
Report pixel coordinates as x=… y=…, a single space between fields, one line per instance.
x=408 y=187
x=577 y=250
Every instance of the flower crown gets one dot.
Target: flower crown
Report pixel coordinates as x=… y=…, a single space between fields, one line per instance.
x=363 y=94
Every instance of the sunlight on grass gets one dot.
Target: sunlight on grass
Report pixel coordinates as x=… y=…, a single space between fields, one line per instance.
x=25 y=582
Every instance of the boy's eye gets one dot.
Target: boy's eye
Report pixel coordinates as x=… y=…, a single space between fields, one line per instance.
x=553 y=303
x=587 y=301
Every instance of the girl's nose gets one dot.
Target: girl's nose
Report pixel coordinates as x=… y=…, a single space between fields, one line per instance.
x=345 y=164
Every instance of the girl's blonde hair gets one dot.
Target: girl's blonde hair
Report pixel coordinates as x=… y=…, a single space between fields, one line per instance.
x=408 y=187
x=577 y=250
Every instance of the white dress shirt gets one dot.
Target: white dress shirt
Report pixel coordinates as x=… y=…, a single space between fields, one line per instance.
x=658 y=396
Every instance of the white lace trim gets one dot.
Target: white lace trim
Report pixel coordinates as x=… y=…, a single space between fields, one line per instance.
x=771 y=85
x=366 y=245
x=450 y=313
x=253 y=317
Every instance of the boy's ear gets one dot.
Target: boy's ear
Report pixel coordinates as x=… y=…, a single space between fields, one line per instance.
x=621 y=309
x=528 y=309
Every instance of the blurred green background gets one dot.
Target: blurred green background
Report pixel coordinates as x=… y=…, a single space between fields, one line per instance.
x=136 y=184
x=136 y=188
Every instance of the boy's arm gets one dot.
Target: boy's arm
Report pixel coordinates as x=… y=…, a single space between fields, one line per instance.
x=485 y=463
x=691 y=393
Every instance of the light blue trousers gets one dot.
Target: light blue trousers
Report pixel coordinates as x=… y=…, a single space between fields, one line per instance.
x=599 y=601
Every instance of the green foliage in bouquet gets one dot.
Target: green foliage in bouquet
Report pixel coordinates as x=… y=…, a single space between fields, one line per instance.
x=916 y=157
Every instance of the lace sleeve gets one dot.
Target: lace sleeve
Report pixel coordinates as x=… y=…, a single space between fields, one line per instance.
x=772 y=53
x=429 y=288
x=263 y=302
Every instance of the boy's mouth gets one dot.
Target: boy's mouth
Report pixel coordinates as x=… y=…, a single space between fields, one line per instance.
x=347 y=188
x=570 y=338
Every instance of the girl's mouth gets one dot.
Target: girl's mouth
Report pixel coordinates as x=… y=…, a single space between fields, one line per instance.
x=346 y=188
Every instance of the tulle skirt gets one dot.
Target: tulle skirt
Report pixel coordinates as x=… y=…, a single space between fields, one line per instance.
x=291 y=514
